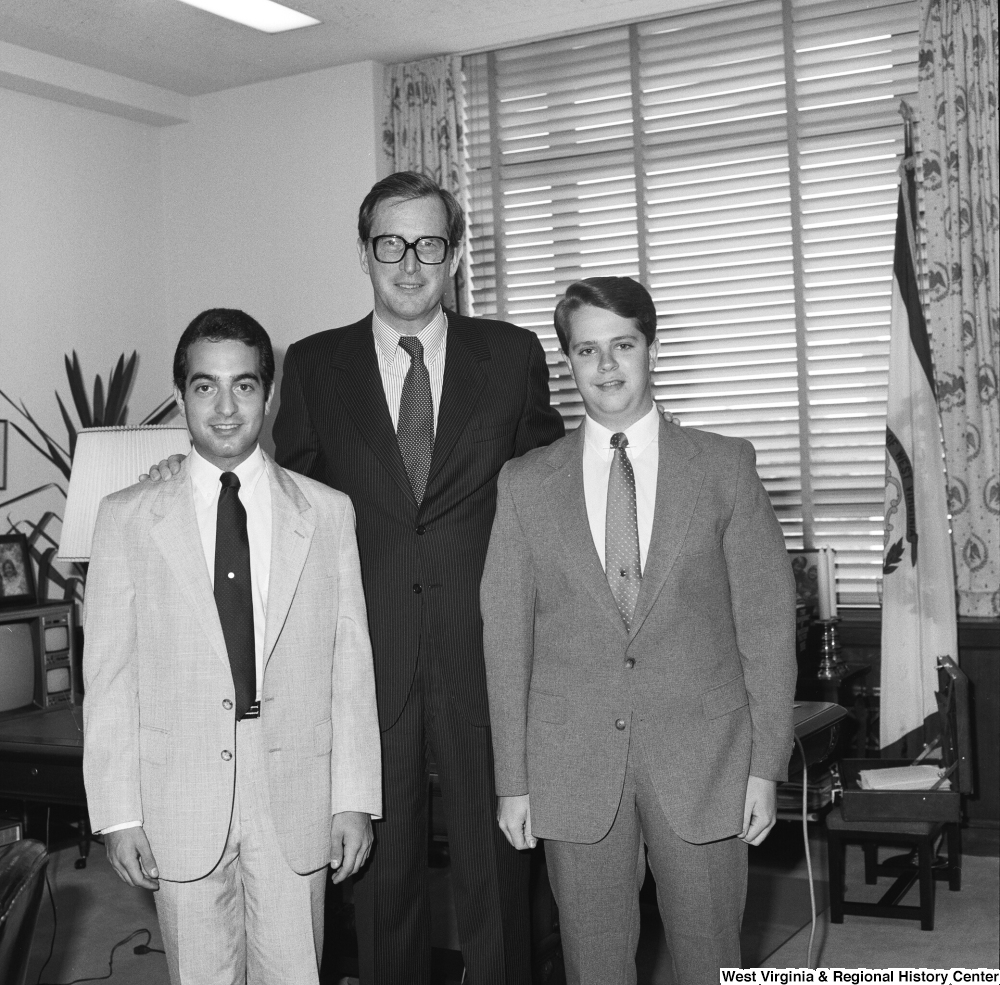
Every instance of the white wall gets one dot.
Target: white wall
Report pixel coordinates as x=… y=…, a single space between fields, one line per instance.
x=81 y=235
x=261 y=194
x=114 y=234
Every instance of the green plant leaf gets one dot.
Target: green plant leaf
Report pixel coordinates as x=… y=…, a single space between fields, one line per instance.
x=39 y=531
x=159 y=413
x=98 y=402
x=119 y=383
x=73 y=589
x=52 y=452
x=75 y=376
x=31 y=492
x=127 y=376
x=114 y=386
x=22 y=409
x=70 y=426
x=45 y=570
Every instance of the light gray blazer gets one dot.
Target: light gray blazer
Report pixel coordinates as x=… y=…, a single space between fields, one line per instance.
x=709 y=695
x=159 y=723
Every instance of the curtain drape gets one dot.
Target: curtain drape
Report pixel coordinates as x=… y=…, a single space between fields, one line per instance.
x=423 y=132
x=958 y=136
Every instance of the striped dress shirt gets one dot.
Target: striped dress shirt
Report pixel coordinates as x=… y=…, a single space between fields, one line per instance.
x=393 y=362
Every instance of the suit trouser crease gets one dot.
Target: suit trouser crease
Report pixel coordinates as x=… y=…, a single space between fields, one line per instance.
x=701 y=891
x=252 y=918
x=489 y=879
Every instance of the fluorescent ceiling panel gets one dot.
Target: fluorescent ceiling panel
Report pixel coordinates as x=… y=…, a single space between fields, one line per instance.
x=262 y=15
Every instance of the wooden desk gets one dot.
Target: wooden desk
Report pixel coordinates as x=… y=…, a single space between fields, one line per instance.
x=41 y=761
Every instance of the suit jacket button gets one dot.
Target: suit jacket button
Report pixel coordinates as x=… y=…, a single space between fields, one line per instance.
x=620 y=725
x=417 y=589
x=227 y=755
x=629 y=663
x=227 y=704
x=420 y=529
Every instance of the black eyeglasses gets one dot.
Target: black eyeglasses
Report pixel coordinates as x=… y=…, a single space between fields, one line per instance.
x=392 y=249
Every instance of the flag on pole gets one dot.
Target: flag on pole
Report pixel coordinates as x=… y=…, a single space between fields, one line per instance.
x=918 y=577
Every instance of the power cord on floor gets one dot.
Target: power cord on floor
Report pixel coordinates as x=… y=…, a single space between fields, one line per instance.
x=805 y=840
x=138 y=949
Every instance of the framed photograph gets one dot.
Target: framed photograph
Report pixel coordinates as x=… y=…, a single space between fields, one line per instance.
x=3 y=454
x=17 y=580
x=804 y=566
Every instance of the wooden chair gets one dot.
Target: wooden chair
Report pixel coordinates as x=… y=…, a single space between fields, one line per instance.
x=921 y=820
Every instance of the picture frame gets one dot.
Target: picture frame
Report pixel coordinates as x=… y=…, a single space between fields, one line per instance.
x=805 y=566
x=17 y=578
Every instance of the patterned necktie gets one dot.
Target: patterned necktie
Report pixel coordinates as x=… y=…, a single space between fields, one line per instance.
x=621 y=532
x=233 y=594
x=415 y=431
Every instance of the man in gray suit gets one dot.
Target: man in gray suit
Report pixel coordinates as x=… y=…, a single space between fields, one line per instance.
x=231 y=749
x=639 y=617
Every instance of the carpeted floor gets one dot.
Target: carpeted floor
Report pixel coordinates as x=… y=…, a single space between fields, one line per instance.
x=96 y=910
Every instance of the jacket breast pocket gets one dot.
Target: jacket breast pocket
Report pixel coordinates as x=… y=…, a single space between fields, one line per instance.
x=323 y=738
x=152 y=745
x=546 y=707
x=725 y=698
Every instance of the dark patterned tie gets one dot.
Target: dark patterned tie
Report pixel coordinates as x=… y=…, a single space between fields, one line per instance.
x=415 y=432
x=233 y=594
x=621 y=532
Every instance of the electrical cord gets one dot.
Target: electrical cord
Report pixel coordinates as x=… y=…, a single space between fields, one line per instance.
x=805 y=840
x=138 y=949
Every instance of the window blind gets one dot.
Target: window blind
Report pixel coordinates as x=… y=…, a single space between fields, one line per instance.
x=740 y=160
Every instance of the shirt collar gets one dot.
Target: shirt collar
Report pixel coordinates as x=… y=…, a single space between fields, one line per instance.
x=640 y=434
x=431 y=336
x=205 y=475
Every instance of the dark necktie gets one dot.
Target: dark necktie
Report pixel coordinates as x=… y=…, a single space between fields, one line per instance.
x=621 y=532
x=233 y=594
x=415 y=431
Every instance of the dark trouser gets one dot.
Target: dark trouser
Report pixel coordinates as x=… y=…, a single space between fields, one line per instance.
x=489 y=878
x=701 y=891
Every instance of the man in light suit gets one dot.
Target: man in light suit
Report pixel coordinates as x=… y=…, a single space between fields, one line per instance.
x=231 y=735
x=638 y=611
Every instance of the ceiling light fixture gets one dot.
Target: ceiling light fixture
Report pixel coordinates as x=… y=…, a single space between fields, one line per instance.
x=262 y=15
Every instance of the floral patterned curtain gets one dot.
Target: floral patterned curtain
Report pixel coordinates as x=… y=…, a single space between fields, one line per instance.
x=423 y=132
x=958 y=135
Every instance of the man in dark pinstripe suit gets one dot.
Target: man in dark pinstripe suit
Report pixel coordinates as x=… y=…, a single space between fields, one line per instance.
x=423 y=537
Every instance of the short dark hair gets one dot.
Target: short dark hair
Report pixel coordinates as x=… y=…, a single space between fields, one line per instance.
x=223 y=325
x=625 y=297
x=408 y=185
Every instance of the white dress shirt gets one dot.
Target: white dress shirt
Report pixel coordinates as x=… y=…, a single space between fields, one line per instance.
x=394 y=362
x=255 y=495
x=644 y=453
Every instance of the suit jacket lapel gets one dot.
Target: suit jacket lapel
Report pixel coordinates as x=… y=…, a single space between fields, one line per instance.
x=292 y=528
x=460 y=391
x=177 y=536
x=678 y=483
x=360 y=386
x=564 y=491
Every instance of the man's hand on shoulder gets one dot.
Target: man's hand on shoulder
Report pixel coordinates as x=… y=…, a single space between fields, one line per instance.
x=760 y=810
x=514 y=818
x=351 y=834
x=131 y=857
x=165 y=471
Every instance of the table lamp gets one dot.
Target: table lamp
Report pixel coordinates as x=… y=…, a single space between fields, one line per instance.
x=104 y=461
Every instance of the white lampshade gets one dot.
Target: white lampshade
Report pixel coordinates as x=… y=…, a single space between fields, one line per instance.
x=106 y=460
